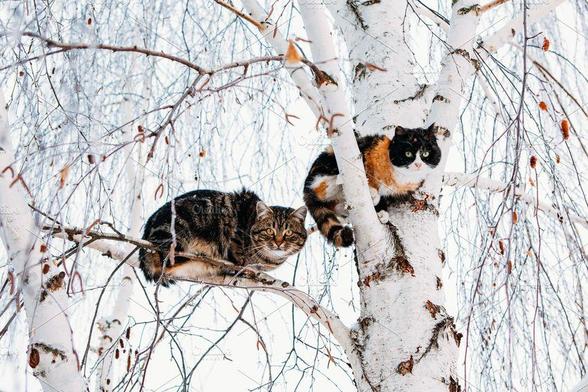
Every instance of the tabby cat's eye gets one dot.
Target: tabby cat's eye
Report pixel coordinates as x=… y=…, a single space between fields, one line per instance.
x=425 y=154
x=408 y=154
x=288 y=232
x=269 y=231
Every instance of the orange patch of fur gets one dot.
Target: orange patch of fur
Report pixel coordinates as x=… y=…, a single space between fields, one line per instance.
x=379 y=169
x=321 y=190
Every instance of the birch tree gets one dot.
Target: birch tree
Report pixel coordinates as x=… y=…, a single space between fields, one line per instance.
x=478 y=282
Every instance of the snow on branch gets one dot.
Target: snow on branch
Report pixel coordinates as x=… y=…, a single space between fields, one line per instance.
x=51 y=356
x=493 y=42
x=493 y=186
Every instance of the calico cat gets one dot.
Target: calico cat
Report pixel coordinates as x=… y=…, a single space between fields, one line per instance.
x=394 y=168
x=236 y=227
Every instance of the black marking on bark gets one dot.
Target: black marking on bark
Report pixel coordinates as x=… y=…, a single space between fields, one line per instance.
x=399 y=262
x=466 y=10
x=49 y=350
x=354 y=333
x=441 y=98
x=371 y=2
x=419 y=94
x=442 y=325
x=439 y=283
x=55 y=282
x=321 y=77
x=43 y=295
x=366 y=322
x=360 y=72
x=454 y=385
x=432 y=308
x=466 y=55
x=405 y=367
x=354 y=7
x=441 y=256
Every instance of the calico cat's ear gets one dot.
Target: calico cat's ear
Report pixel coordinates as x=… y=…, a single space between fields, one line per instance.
x=300 y=213
x=400 y=131
x=432 y=129
x=262 y=209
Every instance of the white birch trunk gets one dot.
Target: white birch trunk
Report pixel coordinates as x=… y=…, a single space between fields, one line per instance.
x=39 y=281
x=111 y=327
x=406 y=340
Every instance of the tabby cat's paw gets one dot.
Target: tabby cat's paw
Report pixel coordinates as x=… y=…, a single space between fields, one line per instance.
x=375 y=196
x=383 y=216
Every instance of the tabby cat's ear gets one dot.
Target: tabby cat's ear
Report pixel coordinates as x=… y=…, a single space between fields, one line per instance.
x=300 y=213
x=261 y=208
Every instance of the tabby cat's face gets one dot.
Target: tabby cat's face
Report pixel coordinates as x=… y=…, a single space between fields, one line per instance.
x=415 y=151
x=279 y=232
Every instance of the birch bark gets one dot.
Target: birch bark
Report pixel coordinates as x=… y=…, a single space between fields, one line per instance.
x=40 y=281
x=404 y=336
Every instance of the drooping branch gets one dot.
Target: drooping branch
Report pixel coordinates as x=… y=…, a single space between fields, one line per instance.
x=493 y=186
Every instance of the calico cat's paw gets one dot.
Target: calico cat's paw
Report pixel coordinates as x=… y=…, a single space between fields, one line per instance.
x=420 y=195
x=375 y=196
x=344 y=237
x=383 y=216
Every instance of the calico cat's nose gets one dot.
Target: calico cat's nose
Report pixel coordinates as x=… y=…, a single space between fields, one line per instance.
x=418 y=165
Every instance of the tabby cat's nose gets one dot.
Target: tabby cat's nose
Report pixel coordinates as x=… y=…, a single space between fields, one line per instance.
x=279 y=240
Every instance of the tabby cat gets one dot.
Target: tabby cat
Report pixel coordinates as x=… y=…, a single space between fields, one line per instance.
x=394 y=168
x=236 y=227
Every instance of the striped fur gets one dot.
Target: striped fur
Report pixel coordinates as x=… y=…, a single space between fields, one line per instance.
x=237 y=227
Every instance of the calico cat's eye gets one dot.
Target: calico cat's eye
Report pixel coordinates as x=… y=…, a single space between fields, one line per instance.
x=408 y=154
x=425 y=154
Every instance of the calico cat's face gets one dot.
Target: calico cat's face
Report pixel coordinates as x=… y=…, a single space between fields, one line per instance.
x=278 y=232
x=415 y=152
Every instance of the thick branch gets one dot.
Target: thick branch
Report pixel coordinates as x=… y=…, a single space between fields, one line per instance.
x=371 y=239
x=236 y=276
